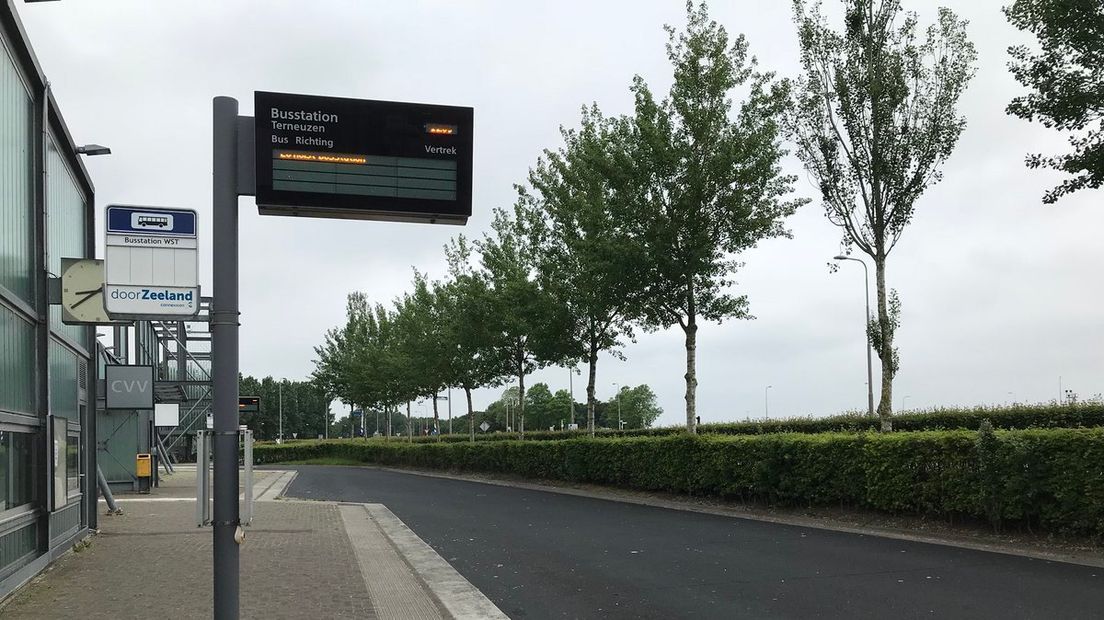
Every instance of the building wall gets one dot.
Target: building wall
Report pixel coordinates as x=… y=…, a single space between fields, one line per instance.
x=46 y=380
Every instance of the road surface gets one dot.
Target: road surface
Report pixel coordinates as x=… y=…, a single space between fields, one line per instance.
x=547 y=555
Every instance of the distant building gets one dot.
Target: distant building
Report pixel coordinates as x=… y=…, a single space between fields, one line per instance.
x=47 y=383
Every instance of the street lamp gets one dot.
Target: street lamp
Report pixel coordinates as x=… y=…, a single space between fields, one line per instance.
x=617 y=386
x=571 y=372
x=766 y=401
x=93 y=149
x=903 y=399
x=869 y=363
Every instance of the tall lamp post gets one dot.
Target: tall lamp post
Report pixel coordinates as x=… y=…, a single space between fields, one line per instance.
x=766 y=401
x=869 y=345
x=617 y=386
x=571 y=389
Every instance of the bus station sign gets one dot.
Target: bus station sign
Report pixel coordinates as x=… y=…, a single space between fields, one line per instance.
x=362 y=159
x=152 y=263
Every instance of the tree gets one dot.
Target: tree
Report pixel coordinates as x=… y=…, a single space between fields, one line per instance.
x=468 y=316
x=364 y=362
x=707 y=184
x=873 y=118
x=1068 y=83
x=528 y=325
x=423 y=340
x=305 y=405
x=586 y=254
x=638 y=405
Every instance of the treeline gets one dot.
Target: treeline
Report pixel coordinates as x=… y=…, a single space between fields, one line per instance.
x=635 y=223
x=305 y=407
x=1014 y=417
x=638 y=222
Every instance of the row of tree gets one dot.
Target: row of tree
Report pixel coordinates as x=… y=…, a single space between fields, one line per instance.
x=629 y=408
x=291 y=409
x=637 y=222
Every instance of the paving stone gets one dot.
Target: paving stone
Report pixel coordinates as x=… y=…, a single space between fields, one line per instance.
x=153 y=562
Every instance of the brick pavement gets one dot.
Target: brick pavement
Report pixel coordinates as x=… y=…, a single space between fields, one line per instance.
x=153 y=561
x=297 y=561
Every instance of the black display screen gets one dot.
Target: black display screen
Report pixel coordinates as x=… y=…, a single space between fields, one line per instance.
x=362 y=159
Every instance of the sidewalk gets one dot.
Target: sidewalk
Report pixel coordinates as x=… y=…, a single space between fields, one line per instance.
x=300 y=558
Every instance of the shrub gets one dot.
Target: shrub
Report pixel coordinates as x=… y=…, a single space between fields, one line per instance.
x=1050 y=478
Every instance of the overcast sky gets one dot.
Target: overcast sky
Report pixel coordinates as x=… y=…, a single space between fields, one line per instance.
x=1001 y=295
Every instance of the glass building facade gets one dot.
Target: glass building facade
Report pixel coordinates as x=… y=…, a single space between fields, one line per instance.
x=47 y=382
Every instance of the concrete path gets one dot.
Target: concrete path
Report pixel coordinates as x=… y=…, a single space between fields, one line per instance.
x=300 y=559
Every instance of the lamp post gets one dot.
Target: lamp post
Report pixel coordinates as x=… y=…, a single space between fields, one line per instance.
x=766 y=401
x=617 y=386
x=571 y=389
x=280 y=435
x=903 y=399
x=866 y=322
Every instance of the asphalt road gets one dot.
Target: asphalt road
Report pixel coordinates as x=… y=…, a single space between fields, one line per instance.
x=548 y=555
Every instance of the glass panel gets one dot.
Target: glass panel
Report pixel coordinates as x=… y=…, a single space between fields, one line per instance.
x=72 y=463
x=16 y=468
x=16 y=363
x=16 y=182
x=65 y=230
x=63 y=381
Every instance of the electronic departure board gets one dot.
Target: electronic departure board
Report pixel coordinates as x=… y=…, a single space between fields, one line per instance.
x=362 y=159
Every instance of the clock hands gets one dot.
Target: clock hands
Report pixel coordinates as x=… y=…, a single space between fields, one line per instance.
x=87 y=295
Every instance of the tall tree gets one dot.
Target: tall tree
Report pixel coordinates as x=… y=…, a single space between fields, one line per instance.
x=874 y=117
x=468 y=315
x=1067 y=77
x=528 y=323
x=707 y=181
x=424 y=342
x=586 y=254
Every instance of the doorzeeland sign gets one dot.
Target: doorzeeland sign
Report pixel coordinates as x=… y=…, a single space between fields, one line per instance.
x=362 y=159
x=152 y=264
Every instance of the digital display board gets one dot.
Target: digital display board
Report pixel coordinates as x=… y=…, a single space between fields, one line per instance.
x=362 y=159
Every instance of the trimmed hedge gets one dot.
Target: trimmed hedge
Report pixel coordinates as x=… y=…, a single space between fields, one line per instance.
x=1015 y=417
x=1052 y=479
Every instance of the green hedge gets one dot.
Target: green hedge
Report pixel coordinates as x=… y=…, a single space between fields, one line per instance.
x=1009 y=418
x=1052 y=479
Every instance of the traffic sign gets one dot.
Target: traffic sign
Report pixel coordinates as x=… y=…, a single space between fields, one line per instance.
x=362 y=159
x=152 y=265
x=484 y=426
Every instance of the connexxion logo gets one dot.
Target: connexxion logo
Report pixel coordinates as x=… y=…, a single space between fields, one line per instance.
x=153 y=295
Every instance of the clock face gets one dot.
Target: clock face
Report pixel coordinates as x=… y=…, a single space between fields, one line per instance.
x=82 y=292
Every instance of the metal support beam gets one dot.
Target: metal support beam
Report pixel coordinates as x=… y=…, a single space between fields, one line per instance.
x=105 y=488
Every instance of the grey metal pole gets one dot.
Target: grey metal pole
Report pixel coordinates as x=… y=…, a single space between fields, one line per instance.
x=224 y=357
x=869 y=345
x=571 y=390
x=450 y=409
x=280 y=434
x=112 y=507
